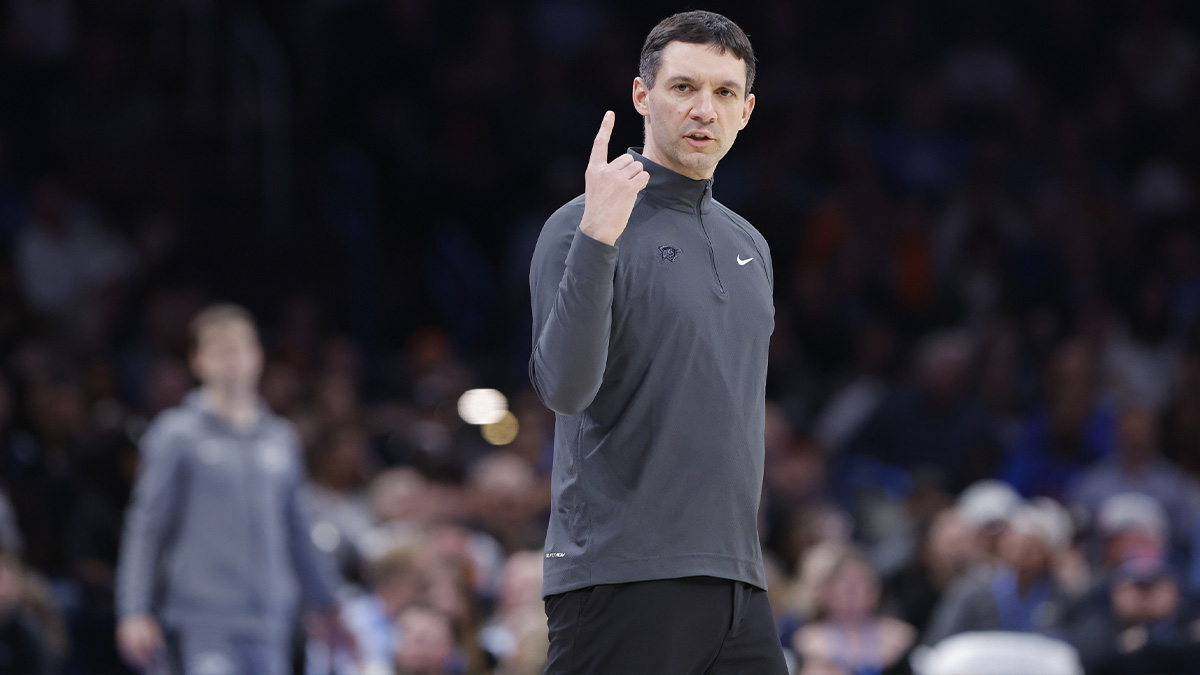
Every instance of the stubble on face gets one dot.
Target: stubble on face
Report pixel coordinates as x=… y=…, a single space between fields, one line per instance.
x=696 y=108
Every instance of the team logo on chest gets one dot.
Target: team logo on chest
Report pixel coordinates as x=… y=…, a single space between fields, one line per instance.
x=668 y=253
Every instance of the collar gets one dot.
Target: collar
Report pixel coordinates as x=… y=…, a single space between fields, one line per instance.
x=198 y=402
x=674 y=190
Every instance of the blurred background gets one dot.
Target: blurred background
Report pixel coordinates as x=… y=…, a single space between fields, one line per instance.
x=983 y=218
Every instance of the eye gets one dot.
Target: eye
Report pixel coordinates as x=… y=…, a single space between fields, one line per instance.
x=725 y=92
x=681 y=87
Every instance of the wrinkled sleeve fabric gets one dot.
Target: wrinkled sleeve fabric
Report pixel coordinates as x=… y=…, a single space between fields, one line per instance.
x=151 y=519
x=571 y=289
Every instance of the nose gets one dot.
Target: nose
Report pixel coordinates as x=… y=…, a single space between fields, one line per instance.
x=704 y=111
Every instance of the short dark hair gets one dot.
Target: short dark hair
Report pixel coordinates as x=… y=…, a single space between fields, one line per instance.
x=697 y=27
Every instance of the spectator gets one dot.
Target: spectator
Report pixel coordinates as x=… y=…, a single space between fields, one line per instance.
x=1129 y=525
x=68 y=264
x=509 y=634
x=1143 y=624
x=1074 y=428
x=426 y=644
x=1137 y=467
x=951 y=547
x=987 y=505
x=502 y=487
x=1019 y=594
x=936 y=423
x=1142 y=359
x=847 y=630
x=397 y=583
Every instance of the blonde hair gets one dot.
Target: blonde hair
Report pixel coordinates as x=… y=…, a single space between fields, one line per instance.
x=818 y=568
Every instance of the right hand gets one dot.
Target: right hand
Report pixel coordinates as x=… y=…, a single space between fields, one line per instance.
x=140 y=640
x=610 y=188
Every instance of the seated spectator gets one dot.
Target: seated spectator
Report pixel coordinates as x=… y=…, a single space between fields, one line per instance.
x=1143 y=357
x=1020 y=593
x=1137 y=467
x=937 y=423
x=454 y=588
x=1142 y=624
x=504 y=491
x=951 y=547
x=1130 y=525
x=1073 y=429
x=507 y=635
x=532 y=640
x=396 y=583
x=987 y=505
x=425 y=644
x=848 y=630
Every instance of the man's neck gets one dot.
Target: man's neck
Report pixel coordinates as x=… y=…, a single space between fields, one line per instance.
x=238 y=408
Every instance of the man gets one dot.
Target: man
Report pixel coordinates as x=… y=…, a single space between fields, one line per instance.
x=1138 y=467
x=1142 y=623
x=652 y=315
x=217 y=535
x=1020 y=593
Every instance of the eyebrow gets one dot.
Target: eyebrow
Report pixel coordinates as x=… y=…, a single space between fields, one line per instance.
x=728 y=84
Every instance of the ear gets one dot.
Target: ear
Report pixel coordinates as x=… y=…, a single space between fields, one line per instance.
x=747 y=108
x=640 y=95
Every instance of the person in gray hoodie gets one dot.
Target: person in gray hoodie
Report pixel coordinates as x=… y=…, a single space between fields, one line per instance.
x=217 y=546
x=652 y=315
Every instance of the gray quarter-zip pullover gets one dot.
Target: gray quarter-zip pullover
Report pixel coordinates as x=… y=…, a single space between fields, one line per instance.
x=653 y=354
x=218 y=534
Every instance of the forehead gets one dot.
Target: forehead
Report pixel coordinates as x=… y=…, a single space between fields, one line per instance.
x=231 y=329
x=701 y=62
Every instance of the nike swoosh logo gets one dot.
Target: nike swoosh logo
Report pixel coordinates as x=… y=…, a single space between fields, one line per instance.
x=743 y=262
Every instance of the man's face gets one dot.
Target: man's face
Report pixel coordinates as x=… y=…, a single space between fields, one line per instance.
x=228 y=355
x=696 y=108
x=1024 y=551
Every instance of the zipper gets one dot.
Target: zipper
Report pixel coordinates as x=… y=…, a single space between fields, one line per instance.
x=712 y=254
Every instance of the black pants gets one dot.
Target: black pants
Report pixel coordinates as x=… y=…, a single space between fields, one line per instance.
x=695 y=625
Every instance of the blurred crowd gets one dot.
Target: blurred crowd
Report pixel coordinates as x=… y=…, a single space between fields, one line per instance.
x=985 y=378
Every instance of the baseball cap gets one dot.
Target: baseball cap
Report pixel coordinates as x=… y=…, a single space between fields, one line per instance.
x=1043 y=518
x=1130 y=511
x=987 y=502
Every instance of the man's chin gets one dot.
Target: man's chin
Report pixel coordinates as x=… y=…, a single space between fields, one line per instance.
x=700 y=162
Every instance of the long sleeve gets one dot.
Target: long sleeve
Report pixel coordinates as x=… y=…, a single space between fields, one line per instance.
x=149 y=521
x=571 y=287
x=314 y=568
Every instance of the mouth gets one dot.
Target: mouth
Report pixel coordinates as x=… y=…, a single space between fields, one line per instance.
x=700 y=138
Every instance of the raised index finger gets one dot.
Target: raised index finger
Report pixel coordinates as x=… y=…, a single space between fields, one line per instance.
x=600 y=145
